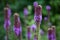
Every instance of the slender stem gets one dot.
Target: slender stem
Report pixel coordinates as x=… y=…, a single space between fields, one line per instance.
x=7 y=34
x=25 y=19
x=48 y=16
x=32 y=35
x=37 y=30
x=20 y=36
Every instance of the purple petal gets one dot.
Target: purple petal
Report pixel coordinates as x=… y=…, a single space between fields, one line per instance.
x=17 y=30
x=18 y=19
x=9 y=12
x=7 y=22
x=38 y=18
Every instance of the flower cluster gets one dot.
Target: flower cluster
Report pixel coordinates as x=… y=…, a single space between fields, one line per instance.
x=17 y=26
x=7 y=12
x=51 y=33
x=38 y=14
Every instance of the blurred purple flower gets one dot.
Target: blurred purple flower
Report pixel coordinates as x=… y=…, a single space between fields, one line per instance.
x=25 y=11
x=45 y=18
x=35 y=4
x=33 y=27
x=17 y=26
x=17 y=30
x=7 y=22
x=48 y=7
x=41 y=32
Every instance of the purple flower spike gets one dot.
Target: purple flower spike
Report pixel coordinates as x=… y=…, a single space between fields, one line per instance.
x=25 y=11
x=7 y=22
x=7 y=14
x=17 y=26
x=48 y=7
x=35 y=4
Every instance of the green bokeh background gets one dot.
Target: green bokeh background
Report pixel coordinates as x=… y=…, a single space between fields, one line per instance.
x=19 y=5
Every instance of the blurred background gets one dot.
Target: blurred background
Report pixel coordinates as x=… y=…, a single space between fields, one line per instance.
x=19 y=5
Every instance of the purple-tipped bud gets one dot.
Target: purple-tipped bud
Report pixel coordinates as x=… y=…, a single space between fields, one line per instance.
x=33 y=27
x=7 y=24
x=48 y=7
x=25 y=11
x=35 y=4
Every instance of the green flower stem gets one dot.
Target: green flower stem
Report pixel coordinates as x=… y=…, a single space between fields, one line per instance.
x=20 y=36
x=48 y=16
x=25 y=20
x=32 y=35
x=37 y=30
x=7 y=34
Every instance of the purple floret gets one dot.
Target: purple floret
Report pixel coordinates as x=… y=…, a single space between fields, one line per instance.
x=17 y=30
x=25 y=11
x=35 y=4
x=48 y=7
